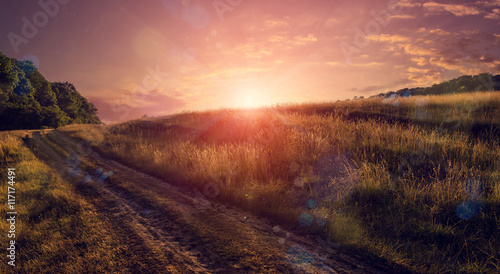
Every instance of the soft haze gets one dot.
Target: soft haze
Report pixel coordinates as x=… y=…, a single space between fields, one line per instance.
x=156 y=57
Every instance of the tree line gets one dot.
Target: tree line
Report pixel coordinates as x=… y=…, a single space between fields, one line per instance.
x=465 y=83
x=29 y=101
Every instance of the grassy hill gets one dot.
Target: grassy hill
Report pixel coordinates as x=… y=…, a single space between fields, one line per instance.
x=413 y=180
x=29 y=101
x=462 y=84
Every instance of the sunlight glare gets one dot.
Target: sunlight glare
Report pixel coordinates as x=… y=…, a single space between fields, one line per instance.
x=251 y=97
x=248 y=101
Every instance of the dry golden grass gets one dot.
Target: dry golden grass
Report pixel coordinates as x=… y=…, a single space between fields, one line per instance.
x=424 y=194
x=57 y=231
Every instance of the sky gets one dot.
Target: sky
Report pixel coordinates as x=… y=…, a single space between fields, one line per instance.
x=157 y=57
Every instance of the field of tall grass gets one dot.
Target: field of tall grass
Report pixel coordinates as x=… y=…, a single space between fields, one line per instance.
x=414 y=180
x=56 y=230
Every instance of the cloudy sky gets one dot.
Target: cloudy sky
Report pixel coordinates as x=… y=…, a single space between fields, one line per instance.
x=157 y=57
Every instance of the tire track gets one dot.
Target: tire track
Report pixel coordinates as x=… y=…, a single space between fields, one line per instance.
x=120 y=208
x=161 y=223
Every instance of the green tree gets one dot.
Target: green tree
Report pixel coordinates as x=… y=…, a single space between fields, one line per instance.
x=43 y=90
x=29 y=101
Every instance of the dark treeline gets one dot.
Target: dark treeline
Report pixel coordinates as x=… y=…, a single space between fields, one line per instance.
x=29 y=101
x=465 y=83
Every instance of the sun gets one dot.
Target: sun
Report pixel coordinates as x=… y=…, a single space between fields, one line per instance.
x=251 y=97
x=248 y=101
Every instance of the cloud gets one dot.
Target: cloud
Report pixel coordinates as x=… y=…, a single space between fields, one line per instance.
x=277 y=38
x=419 y=50
x=458 y=10
x=403 y=16
x=417 y=70
x=495 y=14
x=421 y=61
x=389 y=38
x=300 y=40
x=284 y=41
x=331 y=22
x=129 y=106
x=490 y=3
x=454 y=64
x=439 y=32
x=275 y=24
x=253 y=49
x=467 y=52
x=256 y=49
x=408 y=4
x=423 y=76
x=357 y=65
x=425 y=79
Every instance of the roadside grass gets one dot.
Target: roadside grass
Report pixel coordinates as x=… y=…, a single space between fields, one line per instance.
x=422 y=192
x=56 y=230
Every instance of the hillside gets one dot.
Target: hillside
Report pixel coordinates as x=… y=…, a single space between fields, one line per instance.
x=462 y=84
x=376 y=185
x=29 y=101
x=413 y=180
x=83 y=212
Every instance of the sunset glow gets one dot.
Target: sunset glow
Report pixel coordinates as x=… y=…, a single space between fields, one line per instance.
x=251 y=96
x=188 y=55
x=248 y=101
x=250 y=136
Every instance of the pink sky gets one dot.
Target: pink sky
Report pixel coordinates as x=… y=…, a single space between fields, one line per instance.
x=156 y=57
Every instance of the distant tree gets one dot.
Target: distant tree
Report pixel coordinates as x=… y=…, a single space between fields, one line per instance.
x=483 y=82
x=496 y=82
x=465 y=83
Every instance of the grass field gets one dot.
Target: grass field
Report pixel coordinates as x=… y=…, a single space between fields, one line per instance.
x=56 y=230
x=414 y=180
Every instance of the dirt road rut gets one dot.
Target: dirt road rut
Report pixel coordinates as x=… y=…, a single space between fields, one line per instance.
x=164 y=229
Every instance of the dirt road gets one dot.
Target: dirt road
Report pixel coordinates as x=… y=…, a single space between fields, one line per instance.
x=165 y=229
